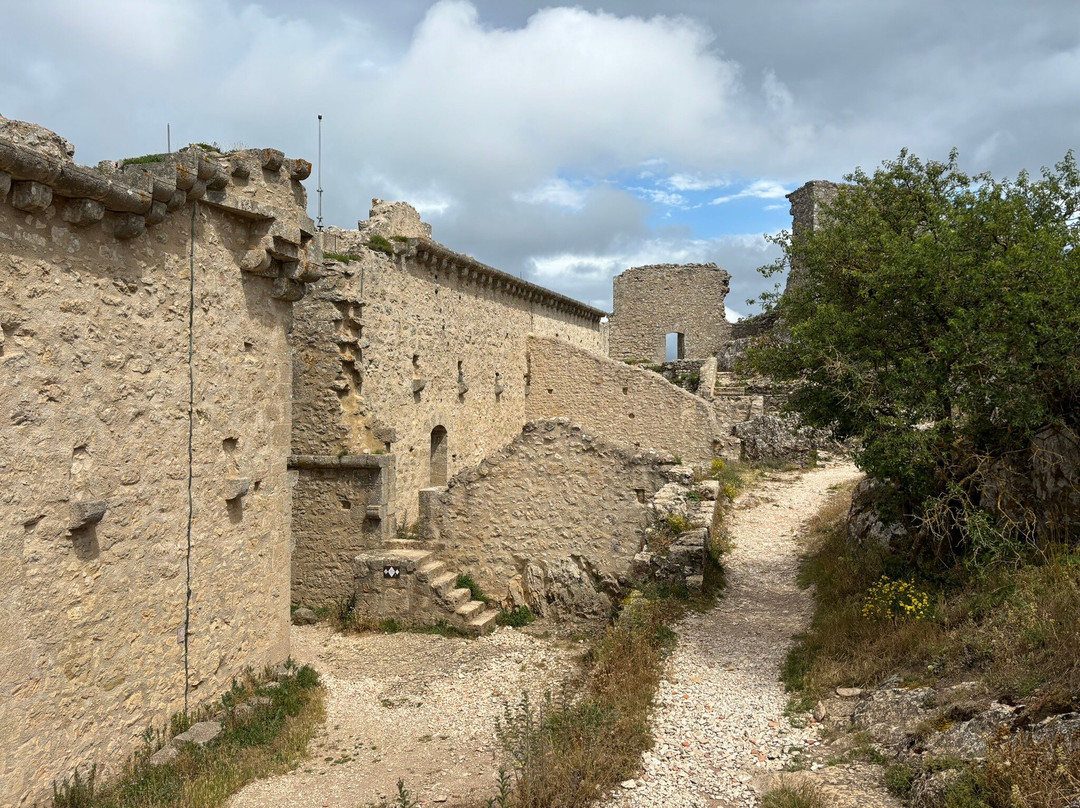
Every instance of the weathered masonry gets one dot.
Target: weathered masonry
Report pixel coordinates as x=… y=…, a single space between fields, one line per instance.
x=144 y=434
x=686 y=301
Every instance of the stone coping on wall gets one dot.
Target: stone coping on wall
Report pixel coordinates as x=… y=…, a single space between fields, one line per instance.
x=126 y=198
x=431 y=253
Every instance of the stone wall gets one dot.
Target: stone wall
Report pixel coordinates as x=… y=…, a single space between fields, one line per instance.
x=807 y=204
x=653 y=301
x=340 y=509
x=557 y=517
x=627 y=405
x=96 y=291
x=390 y=347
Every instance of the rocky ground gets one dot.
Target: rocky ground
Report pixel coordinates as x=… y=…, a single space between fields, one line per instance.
x=412 y=706
x=722 y=737
x=423 y=708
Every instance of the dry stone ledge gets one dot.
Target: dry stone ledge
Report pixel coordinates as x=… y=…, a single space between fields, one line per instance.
x=199 y=734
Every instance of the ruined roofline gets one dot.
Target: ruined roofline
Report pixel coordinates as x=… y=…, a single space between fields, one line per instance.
x=33 y=177
x=430 y=252
x=645 y=268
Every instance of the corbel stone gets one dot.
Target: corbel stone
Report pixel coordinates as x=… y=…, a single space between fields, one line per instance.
x=219 y=181
x=298 y=168
x=177 y=200
x=235 y=487
x=257 y=262
x=272 y=159
x=5 y=184
x=376 y=513
x=303 y=270
x=83 y=212
x=418 y=385
x=129 y=225
x=32 y=197
x=204 y=166
x=197 y=190
x=157 y=213
x=240 y=169
x=285 y=250
x=86 y=512
x=287 y=290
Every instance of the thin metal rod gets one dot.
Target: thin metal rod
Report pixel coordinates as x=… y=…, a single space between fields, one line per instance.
x=320 y=172
x=168 y=139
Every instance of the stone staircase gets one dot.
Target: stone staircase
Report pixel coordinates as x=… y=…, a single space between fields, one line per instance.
x=728 y=386
x=425 y=590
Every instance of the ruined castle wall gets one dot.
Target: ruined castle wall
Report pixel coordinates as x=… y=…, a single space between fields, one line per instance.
x=653 y=301
x=388 y=348
x=94 y=403
x=556 y=499
x=628 y=405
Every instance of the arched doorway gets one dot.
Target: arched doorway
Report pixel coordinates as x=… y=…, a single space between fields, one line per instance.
x=439 y=453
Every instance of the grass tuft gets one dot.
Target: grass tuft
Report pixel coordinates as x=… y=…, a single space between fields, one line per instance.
x=465 y=581
x=516 y=618
x=258 y=740
x=802 y=795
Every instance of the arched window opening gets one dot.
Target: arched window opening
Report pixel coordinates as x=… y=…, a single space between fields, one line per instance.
x=439 y=453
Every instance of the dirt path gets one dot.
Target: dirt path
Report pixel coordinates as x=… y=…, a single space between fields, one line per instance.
x=719 y=722
x=415 y=706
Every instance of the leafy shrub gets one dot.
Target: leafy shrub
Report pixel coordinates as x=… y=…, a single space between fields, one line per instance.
x=465 y=581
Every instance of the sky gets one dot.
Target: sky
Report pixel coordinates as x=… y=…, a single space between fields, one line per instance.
x=563 y=144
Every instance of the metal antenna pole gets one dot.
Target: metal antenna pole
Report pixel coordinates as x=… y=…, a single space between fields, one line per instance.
x=320 y=172
x=168 y=139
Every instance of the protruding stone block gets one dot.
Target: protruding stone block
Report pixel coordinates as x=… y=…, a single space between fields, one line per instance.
x=418 y=385
x=33 y=197
x=240 y=170
x=197 y=190
x=285 y=250
x=303 y=270
x=177 y=201
x=272 y=159
x=376 y=512
x=236 y=487
x=299 y=169
x=86 y=512
x=256 y=262
x=285 y=289
x=5 y=184
x=157 y=213
x=129 y=225
x=199 y=734
x=83 y=212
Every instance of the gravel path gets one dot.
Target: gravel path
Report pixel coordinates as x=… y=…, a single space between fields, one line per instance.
x=719 y=719
x=415 y=706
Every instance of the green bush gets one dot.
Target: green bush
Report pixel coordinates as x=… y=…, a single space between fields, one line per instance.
x=516 y=617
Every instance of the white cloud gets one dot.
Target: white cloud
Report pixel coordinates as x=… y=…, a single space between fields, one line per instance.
x=758 y=189
x=557 y=192
x=694 y=182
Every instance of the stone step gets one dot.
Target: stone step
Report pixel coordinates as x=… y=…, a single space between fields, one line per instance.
x=482 y=624
x=470 y=609
x=729 y=391
x=430 y=570
x=458 y=597
x=444 y=583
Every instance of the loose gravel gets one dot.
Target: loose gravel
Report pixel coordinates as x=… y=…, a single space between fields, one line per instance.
x=412 y=706
x=719 y=722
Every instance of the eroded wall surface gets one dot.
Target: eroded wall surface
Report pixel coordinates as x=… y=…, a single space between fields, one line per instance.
x=628 y=405
x=94 y=415
x=653 y=301
x=559 y=512
x=388 y=348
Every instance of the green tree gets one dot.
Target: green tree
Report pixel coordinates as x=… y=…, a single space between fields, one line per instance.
x=937 y=318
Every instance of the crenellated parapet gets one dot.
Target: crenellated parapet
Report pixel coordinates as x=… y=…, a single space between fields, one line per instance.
x=259 y=186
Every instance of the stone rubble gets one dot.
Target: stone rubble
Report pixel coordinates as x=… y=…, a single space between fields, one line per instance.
x=719 y=722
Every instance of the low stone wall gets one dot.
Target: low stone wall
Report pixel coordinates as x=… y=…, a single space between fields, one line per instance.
x=339 y=510
x=625 y=404
x=553 y=520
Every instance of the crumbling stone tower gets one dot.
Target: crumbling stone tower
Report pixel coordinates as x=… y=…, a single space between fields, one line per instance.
x=654 y=301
